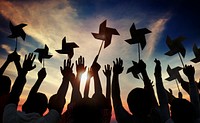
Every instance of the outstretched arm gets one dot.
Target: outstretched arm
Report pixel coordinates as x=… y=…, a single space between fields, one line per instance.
x=147 y=82
x=57 y=101
x=189 y=71
x=67 y=73
x=41 y=75
x=97 y=84
x=21 y=79
x=17 y=61
x=87 y=84
x=122 y=116
x=11 y=57
x=161 y=92
x=107 y=73
x=80 y=69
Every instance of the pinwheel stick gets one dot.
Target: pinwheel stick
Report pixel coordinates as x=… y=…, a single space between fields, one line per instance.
x=100 y=47
x=16 y=44
x=177 y=86
x=181 y=59
x=99 y=51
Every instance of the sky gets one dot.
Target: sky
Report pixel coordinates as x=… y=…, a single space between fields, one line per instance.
x=49 y=21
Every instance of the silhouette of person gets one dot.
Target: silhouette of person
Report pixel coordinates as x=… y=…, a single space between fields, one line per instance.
x=90 y=110
x=5 y=82
x=36 y=102
x=56 y=102
x=108 y=107
x=162 y=94
x=76 y=95
x=80 y=69
x=140 y=100
x=182 y=111
x=189 y=71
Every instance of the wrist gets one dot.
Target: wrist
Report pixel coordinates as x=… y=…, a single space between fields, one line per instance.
x=191 y=79
x=7 y=62
x=23 y=71
x=41 y=78
x=115 y=74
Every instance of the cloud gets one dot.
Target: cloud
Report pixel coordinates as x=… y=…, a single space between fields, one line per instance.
x=153 y=38
x=6 y=48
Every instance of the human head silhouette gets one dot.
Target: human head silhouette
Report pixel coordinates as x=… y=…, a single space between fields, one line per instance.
x=86 y=111
x=36 y=103
x=139 y=102
x=5 y=84
x=182 y=111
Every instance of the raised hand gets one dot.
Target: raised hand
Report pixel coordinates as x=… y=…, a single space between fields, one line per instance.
x=42 y=73
x=142 y=65
x=67 y=69
x=157 y=68
x=189 y=71
x=118 y=66
x=95 y=67
x=107 y=71
x=28 y=62
x=80 y=67
x=13 y=57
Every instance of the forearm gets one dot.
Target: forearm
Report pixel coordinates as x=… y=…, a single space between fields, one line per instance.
x=97 y=84
x=149 y=87
x=87 y=88
x=76 y=95
x=194 y=94
x=122 y=116
x=18 y=66
x=146 y=80
x=18 y=87
x=63 y=87
x=108 y=88
x=163 y=99
x=185 y=85
x=78 y=80
x=36 y=86
x=116 y=90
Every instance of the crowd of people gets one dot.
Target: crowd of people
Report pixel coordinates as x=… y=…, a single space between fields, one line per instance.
x=142 y=102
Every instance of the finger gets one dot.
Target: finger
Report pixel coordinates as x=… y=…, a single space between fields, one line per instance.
x=113 y=62
x=25 y=57
x=83 y=60
x=69 y=62
x=33 y=58
x=76 y=63
x=79 y=60
x=30 y=56
x=117 y=60
x=72 y=65
x=105 y=67
x=61 y=69
x=121 y=61
x=64 y=63
x=108 y=66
